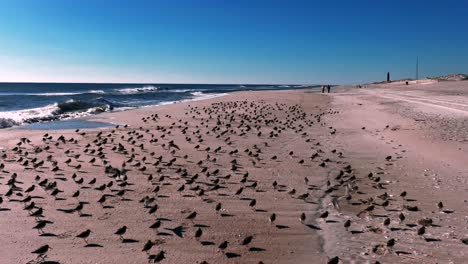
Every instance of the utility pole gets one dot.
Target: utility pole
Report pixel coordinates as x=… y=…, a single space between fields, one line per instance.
x=417 y=68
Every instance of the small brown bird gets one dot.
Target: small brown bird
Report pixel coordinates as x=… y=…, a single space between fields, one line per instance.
x=121 y=231
x=252 y=203
x=41 y=251
x=198 y=233
x=247 y=240
x=421 y=230
x=347 y=224
x=440 y=205
x=302 y=218
x=218 y=207
x=156 y=225
x=272 y=217
x=158 y=257
x=223 y=246
x=324 y=215
x=84 y=235
x=192 y=216
x=391 y=243
x=148 y=246
x=402 y=217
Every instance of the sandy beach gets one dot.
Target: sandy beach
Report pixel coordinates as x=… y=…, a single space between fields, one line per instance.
x=370 y=175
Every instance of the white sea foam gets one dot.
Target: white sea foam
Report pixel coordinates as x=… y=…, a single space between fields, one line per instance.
x=20 y=116
x=137 y=90
x=96 y=91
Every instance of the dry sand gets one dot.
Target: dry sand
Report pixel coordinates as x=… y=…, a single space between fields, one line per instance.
x=411 y=138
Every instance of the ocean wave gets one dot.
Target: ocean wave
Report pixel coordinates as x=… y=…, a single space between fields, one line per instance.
x=57 y=111
x=96 y=91
x=137 y=90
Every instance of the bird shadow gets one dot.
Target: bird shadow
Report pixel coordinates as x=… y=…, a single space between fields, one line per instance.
x=354 y=232
x=163 y=219
x=207 y=243
x=227 y=215
x=256 y=249
x=429 y=239
x=129 y=241
x=48 y=235
x=86 y=215
x=200 y=225
x=178 y=231
x=282 y=226
x=163 y=234
x=93 y=245
x=108 y=207
x=261 y=210
x=232 y=255
x=313 y=227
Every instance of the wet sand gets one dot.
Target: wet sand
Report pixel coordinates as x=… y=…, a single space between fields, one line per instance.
x=314 y=155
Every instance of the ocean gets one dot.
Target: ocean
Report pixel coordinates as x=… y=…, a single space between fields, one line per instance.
x=28 y=103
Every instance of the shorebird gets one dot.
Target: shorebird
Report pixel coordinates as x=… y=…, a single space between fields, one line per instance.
x=198 y=233
x=192 y=216
x=84 y=235
x=149 y=244
x=223 y=245
x=272 y=218
x=347 y=224
x=218 y=207
x=247 y=240
x=302 y=218
x=40 y=225
x=121 y=231
x=156 y=225
x=158 y=257
x=41 y=251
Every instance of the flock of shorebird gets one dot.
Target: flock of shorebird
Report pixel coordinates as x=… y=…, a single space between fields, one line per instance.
x=55 y=156
x=151 y=151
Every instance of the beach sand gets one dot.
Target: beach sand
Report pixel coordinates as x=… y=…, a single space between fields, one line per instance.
x=411 y=138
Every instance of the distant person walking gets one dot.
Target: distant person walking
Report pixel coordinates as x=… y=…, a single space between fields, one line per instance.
x=328 y=88
x=323 y=89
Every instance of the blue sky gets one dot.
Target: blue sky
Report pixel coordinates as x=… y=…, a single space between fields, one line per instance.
x=213 y=41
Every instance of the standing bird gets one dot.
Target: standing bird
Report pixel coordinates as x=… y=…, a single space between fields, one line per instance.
x=84 y=235
x=247 y=240
x=158 y=257
x=223 y=246
x=347 y=224
x=421 y=230
x=192 y=216
x=218 y=207
x=252 y=204
x=272 y=218
x=198 y=233
x=41 y=252
x=40 y=225
x=302 y=218
x=148 y=246
x=156 y=225
x=121 y=231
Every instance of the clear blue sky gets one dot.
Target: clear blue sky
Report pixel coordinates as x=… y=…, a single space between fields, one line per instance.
x=238 y=41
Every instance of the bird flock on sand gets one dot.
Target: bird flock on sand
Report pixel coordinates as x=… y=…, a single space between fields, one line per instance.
x=144 y=168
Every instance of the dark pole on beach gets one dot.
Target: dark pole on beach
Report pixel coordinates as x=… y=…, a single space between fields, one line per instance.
x=417 y=68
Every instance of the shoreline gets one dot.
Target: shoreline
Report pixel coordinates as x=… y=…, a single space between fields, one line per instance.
x=336 y=140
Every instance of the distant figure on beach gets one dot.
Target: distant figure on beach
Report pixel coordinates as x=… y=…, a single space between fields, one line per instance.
x=328 y=88
x=388 y=76
x=323 y=89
